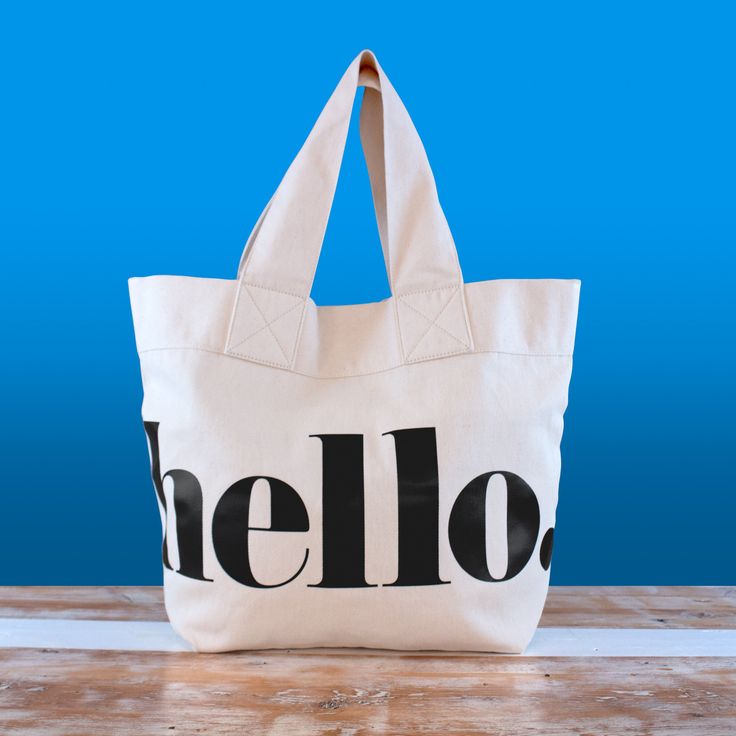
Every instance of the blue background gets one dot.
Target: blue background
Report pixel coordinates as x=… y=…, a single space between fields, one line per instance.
x=591 y=141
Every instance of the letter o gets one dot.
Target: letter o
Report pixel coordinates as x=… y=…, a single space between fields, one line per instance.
x=467 y=528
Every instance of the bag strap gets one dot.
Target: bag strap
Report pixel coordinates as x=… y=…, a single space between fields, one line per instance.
x=371 y=138
x=423 y=270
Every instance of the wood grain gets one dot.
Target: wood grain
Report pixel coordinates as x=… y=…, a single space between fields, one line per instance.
x=620 y=607
x=72 y=693
x=46 y=692
x=106 y=603
x=651 y=607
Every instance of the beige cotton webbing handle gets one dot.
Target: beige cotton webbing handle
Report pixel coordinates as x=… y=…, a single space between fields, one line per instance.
x=371 y=136
x=424 y=273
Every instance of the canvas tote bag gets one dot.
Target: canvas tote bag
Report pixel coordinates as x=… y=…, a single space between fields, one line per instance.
x=377 y=475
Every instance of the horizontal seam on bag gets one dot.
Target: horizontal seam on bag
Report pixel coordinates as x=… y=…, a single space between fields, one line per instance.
x=459 y=351
x=245 y=356
x=430 y=291
x=356 y=375
x=275 y=291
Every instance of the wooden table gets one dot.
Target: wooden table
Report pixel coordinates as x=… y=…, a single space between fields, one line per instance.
x=77 y=691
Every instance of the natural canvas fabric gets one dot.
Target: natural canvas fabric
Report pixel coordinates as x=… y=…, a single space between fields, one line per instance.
x=375 y=475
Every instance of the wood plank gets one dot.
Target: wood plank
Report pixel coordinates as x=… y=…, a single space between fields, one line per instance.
x=664 y=607
x=65 y=693
x=626 y=607
x=104 y=602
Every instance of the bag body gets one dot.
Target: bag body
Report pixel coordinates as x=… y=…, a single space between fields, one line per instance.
x=377 y=475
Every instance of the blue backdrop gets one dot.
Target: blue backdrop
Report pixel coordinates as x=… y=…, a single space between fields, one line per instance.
x=591 y=140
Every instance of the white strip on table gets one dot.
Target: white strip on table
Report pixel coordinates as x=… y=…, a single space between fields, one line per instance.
x=158 y=636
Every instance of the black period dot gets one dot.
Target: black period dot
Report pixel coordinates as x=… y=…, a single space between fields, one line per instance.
x=545 y=549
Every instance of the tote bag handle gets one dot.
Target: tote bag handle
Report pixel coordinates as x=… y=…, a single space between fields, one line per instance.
x=371 y=138
x=278 y=268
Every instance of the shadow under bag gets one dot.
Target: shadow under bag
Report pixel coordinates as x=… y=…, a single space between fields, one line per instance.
x=377 y=475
